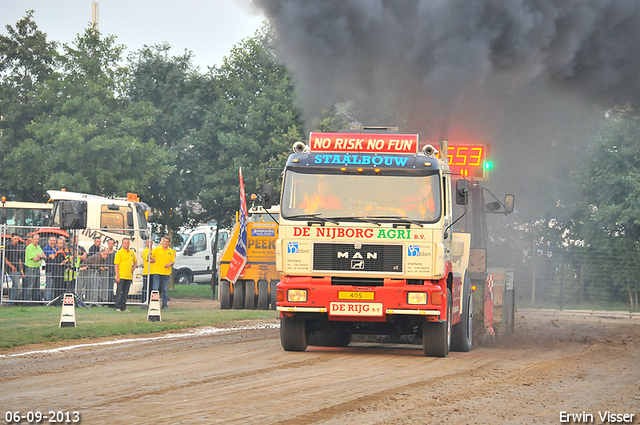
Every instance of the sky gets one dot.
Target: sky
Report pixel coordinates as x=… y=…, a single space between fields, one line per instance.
x=209 y=28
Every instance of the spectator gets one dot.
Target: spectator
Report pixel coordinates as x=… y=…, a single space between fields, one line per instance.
x=59 y=267
x=111 y=268
x=95 y=248
x=71 y=267
x=125 y=263
x=82 y=253
x=33 y=260
x=163 y=259
x=50 y=252
x=95 y=264
x=15 y=265
x=146 y=256
x=79 y=274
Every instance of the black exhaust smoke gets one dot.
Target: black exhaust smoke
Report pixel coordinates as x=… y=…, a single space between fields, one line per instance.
x=438 y=54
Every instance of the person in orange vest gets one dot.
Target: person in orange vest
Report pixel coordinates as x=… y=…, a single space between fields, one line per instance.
x=323 y=199
x=421 y=202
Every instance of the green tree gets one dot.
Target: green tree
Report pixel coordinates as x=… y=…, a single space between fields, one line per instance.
x=610 y=215
x=180 y=93
x=251 y=123
x=92 y=138
x=27 y=60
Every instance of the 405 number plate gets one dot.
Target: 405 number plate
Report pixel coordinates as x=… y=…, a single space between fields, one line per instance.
x=354 y=295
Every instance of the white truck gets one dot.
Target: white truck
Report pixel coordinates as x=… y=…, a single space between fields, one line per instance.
x=194 y=260
x=107 y=218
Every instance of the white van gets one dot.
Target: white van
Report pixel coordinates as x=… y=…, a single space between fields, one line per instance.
x=194 y=260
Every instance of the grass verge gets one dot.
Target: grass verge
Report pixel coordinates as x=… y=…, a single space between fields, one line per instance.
x=191 y=291
x=34 y=325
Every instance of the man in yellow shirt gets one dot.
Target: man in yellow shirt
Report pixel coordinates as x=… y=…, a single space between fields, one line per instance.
x=146 y=283
x=162 y=260
x=125 y=263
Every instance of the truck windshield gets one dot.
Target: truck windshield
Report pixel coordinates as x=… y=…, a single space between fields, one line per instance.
x=356 y=197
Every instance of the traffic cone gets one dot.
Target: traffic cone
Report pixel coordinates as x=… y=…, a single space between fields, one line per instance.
x=153 y=314
x=68 y=315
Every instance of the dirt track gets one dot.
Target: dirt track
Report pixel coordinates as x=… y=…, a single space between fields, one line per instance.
x=555 y=362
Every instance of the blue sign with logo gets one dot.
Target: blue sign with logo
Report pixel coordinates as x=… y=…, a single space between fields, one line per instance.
x=413 y=251
x=265 y=233
x=292 y=247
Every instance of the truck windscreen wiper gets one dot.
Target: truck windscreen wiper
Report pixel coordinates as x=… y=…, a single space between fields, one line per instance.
x=311 y=217
x=356 y=218
x=396 y=218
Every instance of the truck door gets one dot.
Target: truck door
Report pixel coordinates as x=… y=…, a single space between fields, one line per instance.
x=197 y=256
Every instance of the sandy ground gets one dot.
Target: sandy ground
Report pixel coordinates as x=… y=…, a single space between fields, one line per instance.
x=555 y=362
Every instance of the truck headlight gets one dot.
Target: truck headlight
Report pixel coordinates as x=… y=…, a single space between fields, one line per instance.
x=416 y=298
x=297 y=295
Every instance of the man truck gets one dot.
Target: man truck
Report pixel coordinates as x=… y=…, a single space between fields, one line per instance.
x=366 y=243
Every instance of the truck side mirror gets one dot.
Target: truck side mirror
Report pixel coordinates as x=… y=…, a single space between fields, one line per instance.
x=509 y=202
x=3 y=216
x=267 y=196
x=462 y=191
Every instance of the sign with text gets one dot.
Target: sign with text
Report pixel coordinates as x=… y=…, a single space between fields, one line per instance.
x=363 y=142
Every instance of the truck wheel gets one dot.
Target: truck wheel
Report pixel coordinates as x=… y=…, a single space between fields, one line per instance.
x=224 y=295
x=293 y=334
x=274 y=295
x=462 y=332
x=238 y=295
x=263 y=295
x=182 y=278
x=436 y=336
x=249 y=295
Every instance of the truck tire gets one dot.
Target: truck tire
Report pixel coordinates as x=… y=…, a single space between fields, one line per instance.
x=436 y=336
x=224 y=295
x=293 y=334
x=273 y=293
x=182 y=278
x=249 y=295
x=238 y=295
x=330 y=338
x=263 y=295
x=462 y=332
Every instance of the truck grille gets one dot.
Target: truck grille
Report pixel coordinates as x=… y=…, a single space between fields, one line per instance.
x=346 y=258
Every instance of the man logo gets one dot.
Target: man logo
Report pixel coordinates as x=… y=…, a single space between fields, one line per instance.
x=357 y=264
x=292 y=247
x=358 y=255
x=413 y=251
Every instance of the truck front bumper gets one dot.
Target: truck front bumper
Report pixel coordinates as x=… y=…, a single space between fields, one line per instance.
x=371 y=303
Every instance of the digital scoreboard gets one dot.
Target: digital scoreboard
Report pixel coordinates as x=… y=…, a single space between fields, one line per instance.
x=469 y=160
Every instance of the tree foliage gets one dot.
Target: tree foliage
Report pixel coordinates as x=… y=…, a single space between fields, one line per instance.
x=88 y=121
x=252 y=124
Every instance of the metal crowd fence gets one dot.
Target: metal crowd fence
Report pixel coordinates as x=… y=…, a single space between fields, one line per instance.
x=74 y=263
